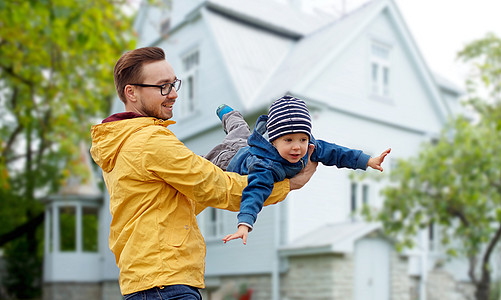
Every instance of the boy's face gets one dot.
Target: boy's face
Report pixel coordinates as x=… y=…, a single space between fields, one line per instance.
x=292 y=147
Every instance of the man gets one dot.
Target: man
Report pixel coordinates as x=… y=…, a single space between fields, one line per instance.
x=157 y=186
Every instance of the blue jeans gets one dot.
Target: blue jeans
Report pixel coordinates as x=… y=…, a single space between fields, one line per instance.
x=168 y=292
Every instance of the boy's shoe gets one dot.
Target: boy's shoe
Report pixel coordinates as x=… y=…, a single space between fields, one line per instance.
x=222 y=110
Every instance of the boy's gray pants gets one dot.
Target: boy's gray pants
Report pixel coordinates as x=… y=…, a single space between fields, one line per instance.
x=237 y=132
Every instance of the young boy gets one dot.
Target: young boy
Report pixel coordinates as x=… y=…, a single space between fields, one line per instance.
x=277 y=149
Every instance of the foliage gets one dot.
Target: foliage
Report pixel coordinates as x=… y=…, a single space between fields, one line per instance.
x=56 y=75
x=456 y=182
x=484 y=55
x=495 y=291
x=22 y=257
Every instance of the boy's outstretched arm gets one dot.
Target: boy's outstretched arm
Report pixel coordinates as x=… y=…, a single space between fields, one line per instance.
x=375 y=162
x=241 y=233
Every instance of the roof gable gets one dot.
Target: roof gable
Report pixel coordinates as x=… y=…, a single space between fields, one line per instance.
x=250 y=54
x=254 y=37
x=309 y=55
x=266 y=55
x=313 y=54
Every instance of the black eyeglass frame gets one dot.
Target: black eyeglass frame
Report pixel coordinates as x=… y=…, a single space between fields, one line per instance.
x=162 y=86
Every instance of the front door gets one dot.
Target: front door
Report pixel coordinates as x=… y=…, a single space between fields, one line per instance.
x=372 y=269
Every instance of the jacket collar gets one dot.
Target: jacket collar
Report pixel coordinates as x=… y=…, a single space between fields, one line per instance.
x=122 y=116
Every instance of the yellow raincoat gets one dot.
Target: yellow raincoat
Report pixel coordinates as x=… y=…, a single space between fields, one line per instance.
x=157 y=186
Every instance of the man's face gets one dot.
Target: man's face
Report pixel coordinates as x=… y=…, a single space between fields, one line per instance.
x=292 y=147
x=150 y=101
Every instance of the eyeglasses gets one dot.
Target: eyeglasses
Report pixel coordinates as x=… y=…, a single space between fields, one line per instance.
x=165 y=88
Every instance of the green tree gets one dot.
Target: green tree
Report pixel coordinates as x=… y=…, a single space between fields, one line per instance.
x=455 y=183
x=56 y=75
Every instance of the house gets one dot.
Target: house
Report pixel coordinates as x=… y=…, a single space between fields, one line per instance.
x=367 y=87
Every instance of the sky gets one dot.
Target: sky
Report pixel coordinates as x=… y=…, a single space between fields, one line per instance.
x=441 y=28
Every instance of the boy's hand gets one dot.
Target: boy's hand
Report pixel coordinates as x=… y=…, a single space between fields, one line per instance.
x=241 y=233
x=375 y=162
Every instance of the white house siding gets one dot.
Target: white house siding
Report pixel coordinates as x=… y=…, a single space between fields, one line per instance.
x=107 y=264
x=234 y=257
x=345 y=84
x=213 y=86
x=201 y=144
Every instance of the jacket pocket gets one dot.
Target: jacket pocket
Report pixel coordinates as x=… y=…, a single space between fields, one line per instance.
x=177 y=221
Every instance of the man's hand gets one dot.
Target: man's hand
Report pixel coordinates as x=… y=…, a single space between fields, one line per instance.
x=375 y=162
x=241 y=233
x=304 y=176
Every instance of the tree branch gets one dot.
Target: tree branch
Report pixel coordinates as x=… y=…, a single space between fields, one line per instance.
x=485 y=279
x=491 y=245
x=459 y=214
x=16 y=132
x=11 y=140
x=22 y=229
x=471 y=270
x=10 y=71
x=13 y=158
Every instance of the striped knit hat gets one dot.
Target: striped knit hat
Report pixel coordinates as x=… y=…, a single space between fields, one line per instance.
x=288 y=115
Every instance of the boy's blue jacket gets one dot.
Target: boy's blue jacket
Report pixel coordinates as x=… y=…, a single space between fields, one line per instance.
x=264 y=166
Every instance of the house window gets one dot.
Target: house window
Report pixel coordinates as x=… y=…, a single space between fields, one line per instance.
x=67 y=228
x=380 y=70
x=365 y=194
x=431 y=236
x=189 y=90
x=90 y=227
x=78 y=228
x=48 y=231
x=359 y=195
x=354 y=188
x=213 y=223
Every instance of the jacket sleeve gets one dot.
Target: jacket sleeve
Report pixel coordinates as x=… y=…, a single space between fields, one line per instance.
x=197 y=178
x=260 y=186
x=331 y=154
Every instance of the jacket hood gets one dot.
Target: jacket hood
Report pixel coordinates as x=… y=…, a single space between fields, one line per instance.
x=260 y=145
x=109 y=137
